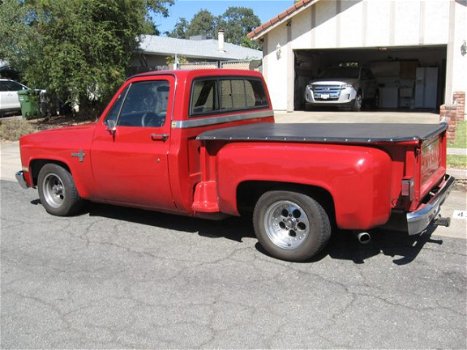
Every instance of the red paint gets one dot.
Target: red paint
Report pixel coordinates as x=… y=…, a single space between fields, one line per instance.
x=165 y=168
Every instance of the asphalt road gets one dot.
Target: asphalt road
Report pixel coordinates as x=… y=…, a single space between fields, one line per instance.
x=123 y=278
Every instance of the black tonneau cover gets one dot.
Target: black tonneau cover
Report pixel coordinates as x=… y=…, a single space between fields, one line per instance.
x=326 y=132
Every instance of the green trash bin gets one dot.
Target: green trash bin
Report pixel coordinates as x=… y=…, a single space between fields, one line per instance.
x=30 y=103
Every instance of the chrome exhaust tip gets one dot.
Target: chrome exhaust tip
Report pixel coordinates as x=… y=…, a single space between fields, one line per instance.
x=363 y=237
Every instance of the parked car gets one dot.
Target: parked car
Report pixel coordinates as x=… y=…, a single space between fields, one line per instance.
x=343 y=86
x=9 y=101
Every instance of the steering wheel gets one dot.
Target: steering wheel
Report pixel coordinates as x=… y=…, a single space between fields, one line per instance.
x=152 y=119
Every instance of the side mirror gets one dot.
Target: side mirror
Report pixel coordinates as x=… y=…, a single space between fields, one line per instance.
x=111 y=126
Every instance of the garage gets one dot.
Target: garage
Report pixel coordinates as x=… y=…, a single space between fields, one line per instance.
x=411 y=78
x=416 y=50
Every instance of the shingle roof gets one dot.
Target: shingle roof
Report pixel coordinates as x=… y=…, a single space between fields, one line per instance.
x=281 y=17
x=204 y=49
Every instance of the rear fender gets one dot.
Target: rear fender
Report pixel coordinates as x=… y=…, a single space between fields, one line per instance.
x=357 y=178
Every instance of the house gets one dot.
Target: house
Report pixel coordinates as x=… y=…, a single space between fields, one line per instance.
x=416 y=49
x=154 y=51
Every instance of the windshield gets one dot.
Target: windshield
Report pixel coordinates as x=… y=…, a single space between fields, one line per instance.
x=340 y=72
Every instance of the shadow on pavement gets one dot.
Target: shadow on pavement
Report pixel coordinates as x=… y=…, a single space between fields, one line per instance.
x=343 y=245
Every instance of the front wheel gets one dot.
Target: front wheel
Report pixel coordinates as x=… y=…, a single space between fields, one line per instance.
x=57 y=191
x=358 y=103
x=290 y=225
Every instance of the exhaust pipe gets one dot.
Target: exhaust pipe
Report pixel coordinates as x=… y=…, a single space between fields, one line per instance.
x=363 y=237
x=441 y=221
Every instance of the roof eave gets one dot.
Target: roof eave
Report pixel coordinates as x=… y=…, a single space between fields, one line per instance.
x=274 y=22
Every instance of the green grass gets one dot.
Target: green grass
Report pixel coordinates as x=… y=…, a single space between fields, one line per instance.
x=457 y=161
x=461 y=138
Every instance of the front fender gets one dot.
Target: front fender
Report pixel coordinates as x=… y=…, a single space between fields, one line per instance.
x=63 y=146
x=357 y=177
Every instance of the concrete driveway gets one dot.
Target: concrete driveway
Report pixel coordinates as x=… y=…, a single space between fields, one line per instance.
x=330 y=116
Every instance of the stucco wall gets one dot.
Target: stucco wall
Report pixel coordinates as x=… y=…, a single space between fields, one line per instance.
x=365 y=24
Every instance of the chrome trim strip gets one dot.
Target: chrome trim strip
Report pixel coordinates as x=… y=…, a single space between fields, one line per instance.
x=194 y=123
x=419 y=220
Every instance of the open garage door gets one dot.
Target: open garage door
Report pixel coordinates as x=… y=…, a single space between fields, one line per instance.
x=407 y=78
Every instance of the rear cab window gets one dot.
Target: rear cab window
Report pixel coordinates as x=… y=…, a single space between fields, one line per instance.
x=226 y=94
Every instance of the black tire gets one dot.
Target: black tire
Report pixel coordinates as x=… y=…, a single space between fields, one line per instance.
x=291 y=226
x=57 y=191
x=376 y=100
x=358 y=102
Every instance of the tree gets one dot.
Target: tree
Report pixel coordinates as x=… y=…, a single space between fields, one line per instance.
x=203 y=23
x=237 y=22
x=78 y=50
x=180 y=30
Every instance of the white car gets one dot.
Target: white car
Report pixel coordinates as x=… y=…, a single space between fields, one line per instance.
x=9 y=101
x=342 y=87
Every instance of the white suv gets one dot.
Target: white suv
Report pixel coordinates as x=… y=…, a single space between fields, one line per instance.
x=9 y=101
x=342 y=86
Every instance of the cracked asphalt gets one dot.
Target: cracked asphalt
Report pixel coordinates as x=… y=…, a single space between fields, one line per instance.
x=123 y=278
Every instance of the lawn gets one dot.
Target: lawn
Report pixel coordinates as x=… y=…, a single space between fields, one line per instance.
x=458 y=161
x=461 y=139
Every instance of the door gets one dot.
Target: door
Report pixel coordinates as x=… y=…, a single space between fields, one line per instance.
x=129 y=153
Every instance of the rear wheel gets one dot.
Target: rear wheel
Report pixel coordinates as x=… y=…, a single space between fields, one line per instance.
x=290 y=225
x=57 y=191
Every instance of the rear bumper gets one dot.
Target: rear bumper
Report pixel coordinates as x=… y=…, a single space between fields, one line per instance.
x=21 y=180
x=420 y=219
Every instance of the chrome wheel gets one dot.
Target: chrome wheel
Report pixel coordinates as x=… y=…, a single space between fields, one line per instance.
x=286 y=224
x=54 y=190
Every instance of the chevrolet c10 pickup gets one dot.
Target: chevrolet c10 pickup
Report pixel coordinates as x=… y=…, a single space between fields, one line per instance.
x=204 y=143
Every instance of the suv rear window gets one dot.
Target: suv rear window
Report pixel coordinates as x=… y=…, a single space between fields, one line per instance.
x=226 y=95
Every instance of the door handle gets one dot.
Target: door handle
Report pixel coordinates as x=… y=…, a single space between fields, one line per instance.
x=159 y=137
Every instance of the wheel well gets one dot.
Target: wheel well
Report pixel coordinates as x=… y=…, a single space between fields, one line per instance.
x=37 y=164
x=249 y=192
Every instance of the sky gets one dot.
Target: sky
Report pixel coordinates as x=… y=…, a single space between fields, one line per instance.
x=264 y=9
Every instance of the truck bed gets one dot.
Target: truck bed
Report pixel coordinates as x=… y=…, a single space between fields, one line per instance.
x=327 y=132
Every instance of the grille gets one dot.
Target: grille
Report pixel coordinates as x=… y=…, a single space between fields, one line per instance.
x=326 y=92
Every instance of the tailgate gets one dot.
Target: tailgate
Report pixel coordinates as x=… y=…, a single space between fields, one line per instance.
x=432 y=163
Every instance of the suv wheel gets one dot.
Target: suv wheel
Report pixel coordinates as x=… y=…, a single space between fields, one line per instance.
x=358 y=102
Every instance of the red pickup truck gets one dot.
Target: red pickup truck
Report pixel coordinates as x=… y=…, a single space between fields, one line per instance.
x=204 y=143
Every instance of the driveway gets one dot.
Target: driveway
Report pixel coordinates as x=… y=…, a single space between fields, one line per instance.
x=329 y=116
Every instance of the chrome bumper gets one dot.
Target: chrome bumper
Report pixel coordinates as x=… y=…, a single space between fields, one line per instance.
x=420 y=219
x=20 y=178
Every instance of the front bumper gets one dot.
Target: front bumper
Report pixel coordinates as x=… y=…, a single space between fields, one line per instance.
x=21 y=180
x=343 y=96
x=421 y=218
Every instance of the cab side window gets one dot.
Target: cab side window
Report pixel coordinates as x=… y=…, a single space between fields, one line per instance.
x=142 y=104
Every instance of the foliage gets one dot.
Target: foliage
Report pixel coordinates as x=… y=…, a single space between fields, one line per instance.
x=236 y=22
x=203 y=23
x=78 y=50
x=461 y=136
x=181 y=27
